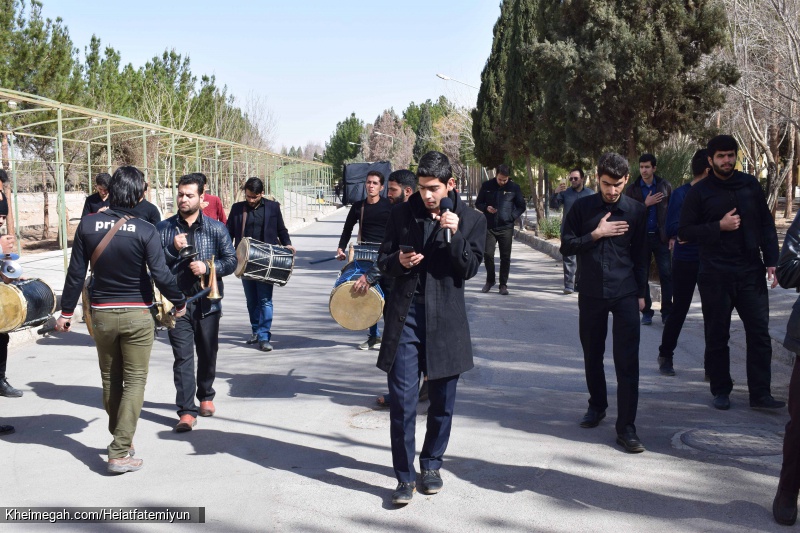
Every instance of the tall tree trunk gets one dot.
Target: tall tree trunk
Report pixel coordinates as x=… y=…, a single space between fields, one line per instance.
x=532 y=181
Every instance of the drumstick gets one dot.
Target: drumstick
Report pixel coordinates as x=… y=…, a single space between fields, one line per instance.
x=321 y=260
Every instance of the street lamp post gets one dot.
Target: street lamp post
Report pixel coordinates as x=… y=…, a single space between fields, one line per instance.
x=448 y=78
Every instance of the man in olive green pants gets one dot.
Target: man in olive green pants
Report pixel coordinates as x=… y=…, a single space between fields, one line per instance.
x=121 y=249
x=124 y=339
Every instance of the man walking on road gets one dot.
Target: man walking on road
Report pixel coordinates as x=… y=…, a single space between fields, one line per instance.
x=654 y=193
x=371 y=215
x=685 y=267
x=727 y=215
x=566 y=196
x=502 y=203
x=607 y=232
x=430 y=251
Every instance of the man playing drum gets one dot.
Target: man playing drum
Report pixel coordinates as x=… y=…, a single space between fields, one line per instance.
x=371 y=215
x=260 y=219
x=200 y=326
x=7 y=243
x=122 y=304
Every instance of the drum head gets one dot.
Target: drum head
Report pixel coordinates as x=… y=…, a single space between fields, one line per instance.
x=242 y=255
x=355 y=311
x=13 y=308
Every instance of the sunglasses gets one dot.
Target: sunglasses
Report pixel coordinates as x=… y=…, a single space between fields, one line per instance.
x=574 y=179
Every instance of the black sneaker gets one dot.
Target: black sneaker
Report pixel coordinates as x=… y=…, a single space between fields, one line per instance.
x=253 y=339
x=722 y=402
x=7 y=390
x=488 y=286
x=265 y=346
x=665 y=366
x=371 y=342
x=403 y=493
x=431 y=481
x=767 y=402
x=592 y=418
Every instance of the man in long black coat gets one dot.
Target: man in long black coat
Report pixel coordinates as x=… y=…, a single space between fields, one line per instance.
x=426 y=320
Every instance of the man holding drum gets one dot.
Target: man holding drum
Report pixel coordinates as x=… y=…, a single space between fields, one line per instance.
x=7 y=244
x=200 y=326
x=259 y=219
x=371 y=215
x=121 y=250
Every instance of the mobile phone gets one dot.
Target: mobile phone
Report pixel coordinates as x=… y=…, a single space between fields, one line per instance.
x=406 y=249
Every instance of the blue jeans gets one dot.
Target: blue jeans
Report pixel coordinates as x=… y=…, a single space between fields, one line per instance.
x=259 y=307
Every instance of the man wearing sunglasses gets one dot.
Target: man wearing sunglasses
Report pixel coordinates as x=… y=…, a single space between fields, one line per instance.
x=566 y=196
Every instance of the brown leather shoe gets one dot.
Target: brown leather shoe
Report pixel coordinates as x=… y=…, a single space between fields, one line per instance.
x=207 y=408
x=186 y=423
x=125 y=464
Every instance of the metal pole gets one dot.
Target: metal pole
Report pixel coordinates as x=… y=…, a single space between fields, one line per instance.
x=216 y=171
x=197 y=155
x=172 y=167
x=14 y=191
x=108 y=144
x=233 y=197
x=144 y=157
x=89 y=166
x=62 y=199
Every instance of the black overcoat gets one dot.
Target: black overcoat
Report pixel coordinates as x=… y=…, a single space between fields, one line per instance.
x=448 y=348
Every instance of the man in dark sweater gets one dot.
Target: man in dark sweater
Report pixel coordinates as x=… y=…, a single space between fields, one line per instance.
x=727 y=215
x=371 y=215
x=607 y=232
x=98 y=201
x=685 y=266
x=502 y=203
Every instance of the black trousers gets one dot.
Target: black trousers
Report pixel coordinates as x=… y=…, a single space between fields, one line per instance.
x=747 y=293
x=502 y=237
x=190 y=331
x=593 y=327
x=790 y=472
x=684 y=281
x=403 y=380
x=4 y=338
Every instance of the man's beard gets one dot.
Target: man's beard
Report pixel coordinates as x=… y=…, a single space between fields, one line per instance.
x=399 y=199
x=189 y=211
x=718 y=171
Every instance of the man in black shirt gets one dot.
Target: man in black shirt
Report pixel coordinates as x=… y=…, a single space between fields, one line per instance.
x=727 y=215
x=147 y=211
x=607 y=232
x=262 y=221
x=502 y=203
x=371 y=215
x=98 y=201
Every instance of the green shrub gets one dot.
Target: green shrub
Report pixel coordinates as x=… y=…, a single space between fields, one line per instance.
x=550 y=227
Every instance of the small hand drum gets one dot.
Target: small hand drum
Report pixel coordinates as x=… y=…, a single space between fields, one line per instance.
x=267 y=263
x=25 y=304
x=355 y=311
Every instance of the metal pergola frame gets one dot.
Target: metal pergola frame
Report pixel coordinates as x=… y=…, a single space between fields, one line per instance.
x=163 y=151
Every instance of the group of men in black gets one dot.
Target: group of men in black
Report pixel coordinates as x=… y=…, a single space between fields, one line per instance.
x=725 y=242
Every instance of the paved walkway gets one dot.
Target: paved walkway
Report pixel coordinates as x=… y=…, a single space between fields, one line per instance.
x=297 y=444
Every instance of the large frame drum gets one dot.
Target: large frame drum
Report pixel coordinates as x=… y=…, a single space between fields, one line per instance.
x=267 y=263
x=25 y=303
x=355 y=311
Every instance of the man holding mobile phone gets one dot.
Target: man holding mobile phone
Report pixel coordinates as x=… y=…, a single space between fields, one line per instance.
x=426 y=320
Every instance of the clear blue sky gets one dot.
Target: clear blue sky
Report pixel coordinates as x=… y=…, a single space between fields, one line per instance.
x=314 y=61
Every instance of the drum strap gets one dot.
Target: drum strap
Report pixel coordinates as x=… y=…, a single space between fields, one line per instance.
x=244 y=220
x=107 y=239
x=361 y=223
